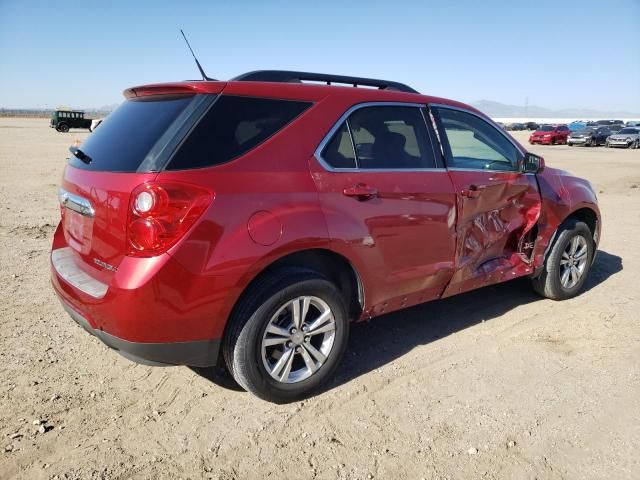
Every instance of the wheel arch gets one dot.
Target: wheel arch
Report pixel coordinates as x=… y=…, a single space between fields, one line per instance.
x=584 y=214
x=334 y=266
x=589 y=216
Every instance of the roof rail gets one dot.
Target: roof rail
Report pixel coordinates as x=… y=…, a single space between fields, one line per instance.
x=286 y=76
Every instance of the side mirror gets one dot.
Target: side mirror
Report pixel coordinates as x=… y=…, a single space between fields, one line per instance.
x=532 y=164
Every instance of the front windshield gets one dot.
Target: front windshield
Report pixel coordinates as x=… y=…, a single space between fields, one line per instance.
x=546 y=128
x=628 y=130
x=586 y=130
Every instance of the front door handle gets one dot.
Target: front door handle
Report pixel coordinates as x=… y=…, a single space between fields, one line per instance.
x=473 y=191
x=361 y=191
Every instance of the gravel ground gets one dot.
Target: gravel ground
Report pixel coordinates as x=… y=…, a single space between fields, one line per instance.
x=496 y=383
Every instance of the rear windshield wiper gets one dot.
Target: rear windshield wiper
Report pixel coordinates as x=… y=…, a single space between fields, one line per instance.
x=79 y=154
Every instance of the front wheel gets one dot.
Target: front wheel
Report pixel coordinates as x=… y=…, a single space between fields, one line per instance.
x=63 y=127
x=567 y=264
x=287 y=335
x=636 y=145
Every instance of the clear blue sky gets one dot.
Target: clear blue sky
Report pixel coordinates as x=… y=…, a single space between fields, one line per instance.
x=560 y=53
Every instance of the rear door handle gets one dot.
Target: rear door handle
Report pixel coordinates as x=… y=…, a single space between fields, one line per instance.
x=361 y=191
x=473 y=191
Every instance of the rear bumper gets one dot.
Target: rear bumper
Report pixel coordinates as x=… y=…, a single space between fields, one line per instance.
x=203 y=353
x=152 y=310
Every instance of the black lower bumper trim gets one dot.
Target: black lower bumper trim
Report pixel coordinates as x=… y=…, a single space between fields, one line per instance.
x=200 y=353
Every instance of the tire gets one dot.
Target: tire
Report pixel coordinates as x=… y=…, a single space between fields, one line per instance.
x=271 y=299
x=63 y=127
x=635 y=145
x=550 y=282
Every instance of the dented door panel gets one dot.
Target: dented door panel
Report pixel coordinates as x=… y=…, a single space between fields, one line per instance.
x=492 y=227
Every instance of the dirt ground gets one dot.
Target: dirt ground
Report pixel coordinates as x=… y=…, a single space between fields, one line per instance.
x=496 y=383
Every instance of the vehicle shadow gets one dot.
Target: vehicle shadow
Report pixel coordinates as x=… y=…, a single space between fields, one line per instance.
x=388 y=337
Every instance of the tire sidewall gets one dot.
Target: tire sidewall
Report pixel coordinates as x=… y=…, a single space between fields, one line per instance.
x=248 y=367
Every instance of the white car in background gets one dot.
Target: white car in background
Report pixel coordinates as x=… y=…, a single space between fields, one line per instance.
x=628 y=137
x=95 y=123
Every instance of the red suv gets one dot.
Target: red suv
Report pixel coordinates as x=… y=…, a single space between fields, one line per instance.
x=550 y=135
x=249 y=222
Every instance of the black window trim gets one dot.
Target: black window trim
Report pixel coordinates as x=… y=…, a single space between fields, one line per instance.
x=161 y=153
x=344 y=118
x=433 y=108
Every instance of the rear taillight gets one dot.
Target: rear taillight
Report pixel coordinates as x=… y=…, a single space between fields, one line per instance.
x=161 y=213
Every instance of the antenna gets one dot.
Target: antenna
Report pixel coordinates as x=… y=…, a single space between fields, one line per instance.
x=204 y=75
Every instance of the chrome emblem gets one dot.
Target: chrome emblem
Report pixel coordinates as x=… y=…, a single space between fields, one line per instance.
x=105 y=265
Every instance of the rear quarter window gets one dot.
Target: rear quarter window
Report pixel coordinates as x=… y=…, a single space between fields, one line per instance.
x=233 y=126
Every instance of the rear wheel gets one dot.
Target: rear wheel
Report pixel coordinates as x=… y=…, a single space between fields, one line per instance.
x=567 y=264
x=287 y=335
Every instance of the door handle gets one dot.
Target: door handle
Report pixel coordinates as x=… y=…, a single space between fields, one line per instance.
x=361 y=191
x=473 y=191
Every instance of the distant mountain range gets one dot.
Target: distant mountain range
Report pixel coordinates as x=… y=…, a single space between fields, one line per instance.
x=500 y=110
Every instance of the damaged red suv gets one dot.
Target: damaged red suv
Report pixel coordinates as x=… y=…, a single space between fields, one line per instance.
x=248 y=222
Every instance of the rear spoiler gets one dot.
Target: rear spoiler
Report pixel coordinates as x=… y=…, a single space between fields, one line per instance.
x=183 y=88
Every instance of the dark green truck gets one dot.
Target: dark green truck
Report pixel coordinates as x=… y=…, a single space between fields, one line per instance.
x=63 y=120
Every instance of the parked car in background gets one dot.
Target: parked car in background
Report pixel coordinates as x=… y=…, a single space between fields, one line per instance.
x=531 y=126
x=589 y=136
x=577 y=125
x=517 y=126
x=632 y=123
x=251 y=221
x=63 y=120
x=628 y=137
x=610 y=123
x=550 y=135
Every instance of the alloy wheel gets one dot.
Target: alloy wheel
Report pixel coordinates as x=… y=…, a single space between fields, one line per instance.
x=298 y=339
x=573 y=262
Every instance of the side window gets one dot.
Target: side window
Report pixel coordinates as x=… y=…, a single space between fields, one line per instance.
x=476 y=144
x=339 y=151
x=232 y=127
x=391 y=138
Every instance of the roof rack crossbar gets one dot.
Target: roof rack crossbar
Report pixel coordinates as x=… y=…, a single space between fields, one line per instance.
x=285 y=76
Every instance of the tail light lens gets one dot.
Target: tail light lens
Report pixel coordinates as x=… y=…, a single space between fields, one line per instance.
x=161 y=213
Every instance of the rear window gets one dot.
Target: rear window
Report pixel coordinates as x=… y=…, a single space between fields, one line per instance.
x=127 y=135
x=232 y=127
